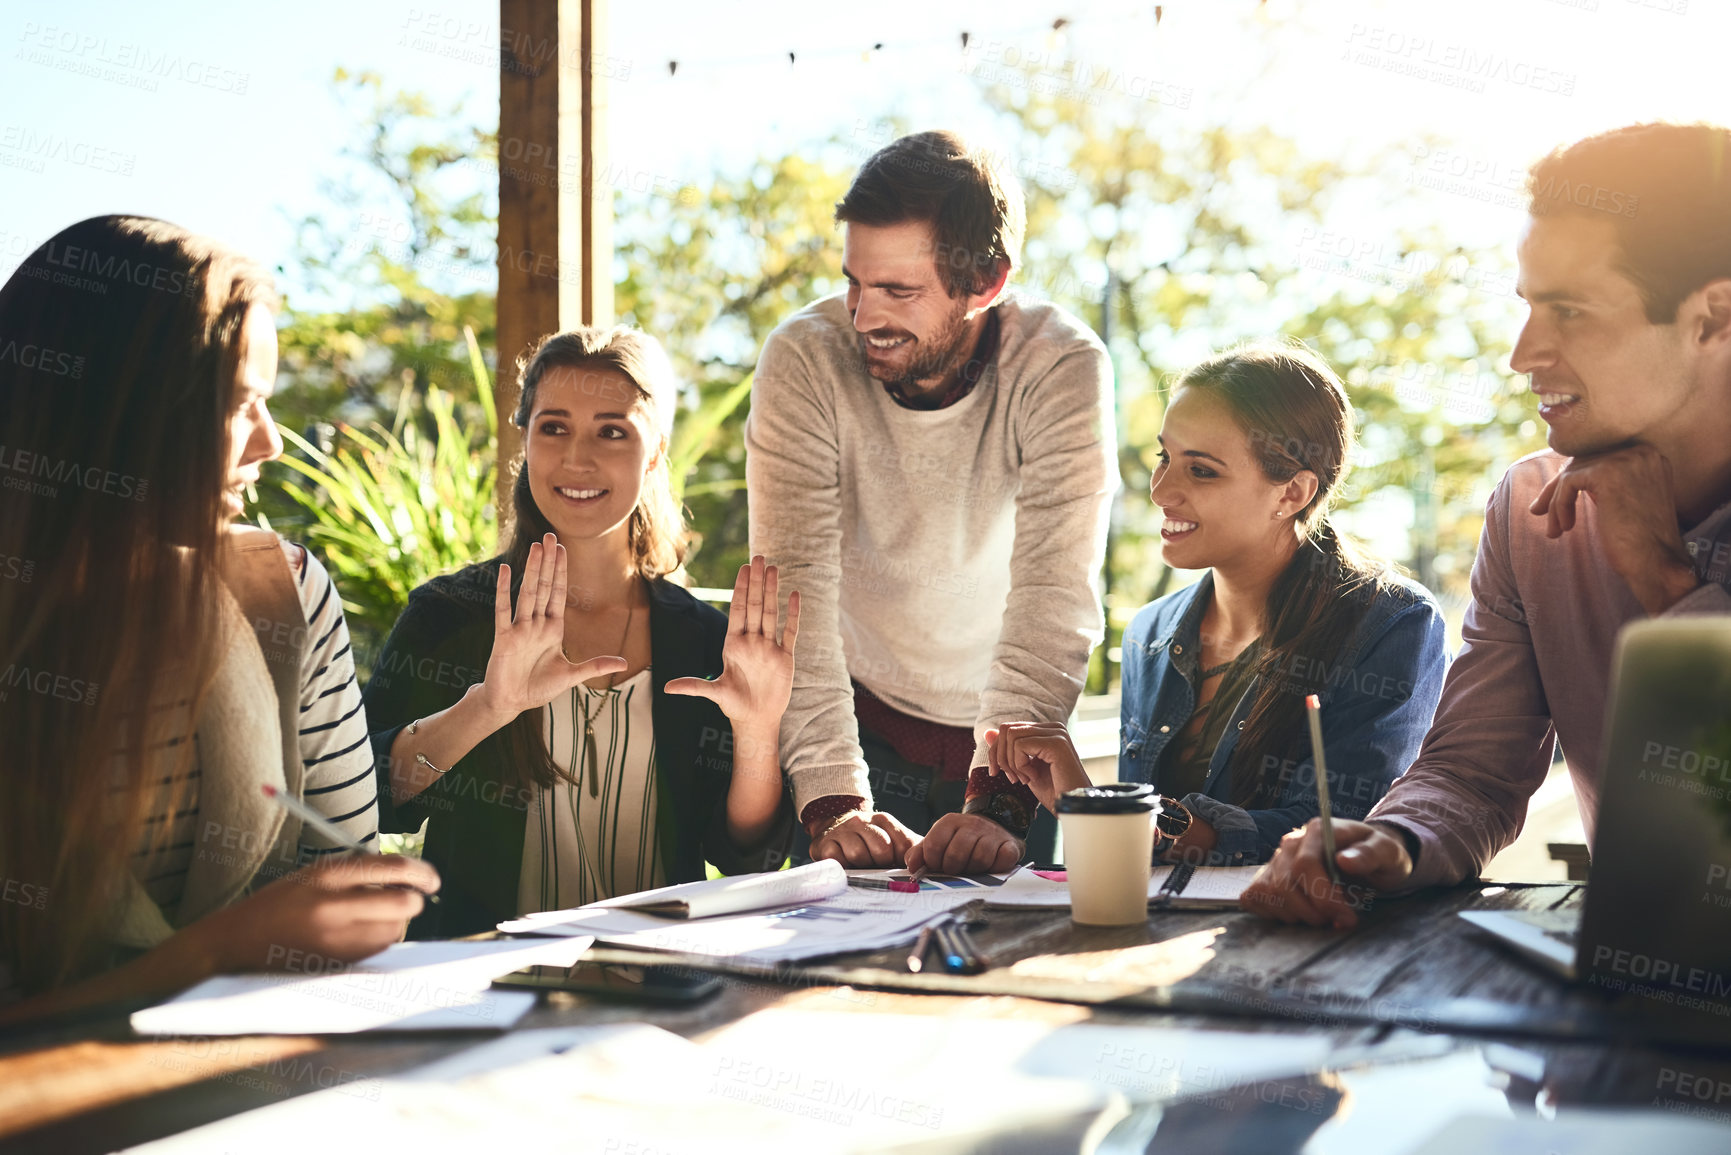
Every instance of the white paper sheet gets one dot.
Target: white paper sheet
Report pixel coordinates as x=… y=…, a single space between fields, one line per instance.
x=1210 y=888
x=857 y=920
x=771 y=890
x=409 y=986
x=765 y=1083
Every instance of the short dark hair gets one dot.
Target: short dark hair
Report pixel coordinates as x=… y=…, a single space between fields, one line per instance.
x=975 y=211
x=1667 y=190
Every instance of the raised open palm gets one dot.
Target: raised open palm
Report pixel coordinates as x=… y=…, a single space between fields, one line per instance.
x=756 y=667
x=528 y=667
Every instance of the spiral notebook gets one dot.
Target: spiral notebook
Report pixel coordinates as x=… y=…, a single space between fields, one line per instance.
x=1205 y=888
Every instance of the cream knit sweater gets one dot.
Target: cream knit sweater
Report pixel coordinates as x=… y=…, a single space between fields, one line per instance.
x=946 y=559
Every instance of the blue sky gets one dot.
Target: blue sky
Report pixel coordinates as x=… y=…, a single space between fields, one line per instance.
x=220 y=116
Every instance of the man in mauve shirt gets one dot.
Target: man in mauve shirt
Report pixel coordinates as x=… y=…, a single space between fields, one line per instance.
x=1626 y=266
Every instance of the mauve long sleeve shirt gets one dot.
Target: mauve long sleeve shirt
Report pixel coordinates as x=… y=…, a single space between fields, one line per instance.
x=1534 y=670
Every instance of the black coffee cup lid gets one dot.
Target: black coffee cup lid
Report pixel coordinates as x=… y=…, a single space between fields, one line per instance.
x=1109 y=798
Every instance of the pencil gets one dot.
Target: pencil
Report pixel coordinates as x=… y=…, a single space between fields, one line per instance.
x=917 y=956
x=323 y=825
x=1325 y=811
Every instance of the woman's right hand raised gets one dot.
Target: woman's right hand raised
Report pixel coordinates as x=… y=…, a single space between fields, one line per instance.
x=528 y=667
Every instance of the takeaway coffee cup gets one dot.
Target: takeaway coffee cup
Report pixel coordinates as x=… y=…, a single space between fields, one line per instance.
x=1108 y=851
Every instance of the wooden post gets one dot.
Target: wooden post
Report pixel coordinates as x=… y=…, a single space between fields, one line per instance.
x=555 y=213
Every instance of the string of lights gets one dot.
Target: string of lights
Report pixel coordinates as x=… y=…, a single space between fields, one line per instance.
x=962 y=38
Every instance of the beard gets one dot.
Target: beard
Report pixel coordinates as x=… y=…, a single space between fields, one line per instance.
x=932 y=359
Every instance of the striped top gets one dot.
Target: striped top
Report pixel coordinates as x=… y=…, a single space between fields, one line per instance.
x=337 y=756
x=573 y=834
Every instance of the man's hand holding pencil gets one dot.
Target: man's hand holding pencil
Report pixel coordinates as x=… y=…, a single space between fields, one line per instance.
x=1329 y=869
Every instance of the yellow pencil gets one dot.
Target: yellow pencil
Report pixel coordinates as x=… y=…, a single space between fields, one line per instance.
x=1325 y=811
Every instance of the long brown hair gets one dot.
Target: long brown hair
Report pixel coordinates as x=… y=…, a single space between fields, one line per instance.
x=120 y=344
x=1295 y=411
x=658 y=537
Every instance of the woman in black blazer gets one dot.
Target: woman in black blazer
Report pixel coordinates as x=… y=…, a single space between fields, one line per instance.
x=548 y=782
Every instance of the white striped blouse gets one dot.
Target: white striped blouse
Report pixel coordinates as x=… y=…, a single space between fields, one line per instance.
x=604 y=826
x=334 y=748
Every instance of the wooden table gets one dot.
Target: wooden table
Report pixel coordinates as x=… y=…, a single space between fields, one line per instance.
x=1411 y=965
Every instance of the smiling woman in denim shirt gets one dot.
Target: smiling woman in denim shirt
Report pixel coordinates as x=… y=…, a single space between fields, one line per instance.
x=1252 y=452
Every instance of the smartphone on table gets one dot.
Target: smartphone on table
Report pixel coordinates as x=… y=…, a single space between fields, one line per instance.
x=611 y=980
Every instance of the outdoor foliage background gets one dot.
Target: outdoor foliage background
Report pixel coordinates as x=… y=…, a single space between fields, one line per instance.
x=1171 y=240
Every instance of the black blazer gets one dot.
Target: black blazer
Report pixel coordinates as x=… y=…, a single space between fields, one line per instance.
x=478 y=808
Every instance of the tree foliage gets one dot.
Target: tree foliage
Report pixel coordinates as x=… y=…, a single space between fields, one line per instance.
x=399 y=261
x=1173 y=238
x=1176 y=240
x=711 y=274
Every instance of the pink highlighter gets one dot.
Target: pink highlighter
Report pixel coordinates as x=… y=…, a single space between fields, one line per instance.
x=909 y=885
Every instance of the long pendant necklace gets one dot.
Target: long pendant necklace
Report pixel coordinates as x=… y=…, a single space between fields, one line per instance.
x=592 y=764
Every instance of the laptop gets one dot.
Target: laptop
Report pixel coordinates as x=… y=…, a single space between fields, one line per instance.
x=1656 y=922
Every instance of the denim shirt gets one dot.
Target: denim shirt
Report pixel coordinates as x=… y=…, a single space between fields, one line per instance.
x=1377 y=697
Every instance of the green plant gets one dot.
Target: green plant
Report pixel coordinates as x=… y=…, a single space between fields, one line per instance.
x=693 y=435
x=390 y=508
x=397 y=258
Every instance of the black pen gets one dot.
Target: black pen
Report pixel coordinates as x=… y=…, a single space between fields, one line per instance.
x=1175 y=883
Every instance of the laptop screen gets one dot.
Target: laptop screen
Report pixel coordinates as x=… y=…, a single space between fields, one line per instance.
x=1657 y=918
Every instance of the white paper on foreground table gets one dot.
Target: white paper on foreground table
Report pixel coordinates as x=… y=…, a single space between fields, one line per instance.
x=431 y=986
x=758 y=1085
x=856 y=920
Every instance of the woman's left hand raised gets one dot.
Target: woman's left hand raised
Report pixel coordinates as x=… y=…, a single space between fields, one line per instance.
x=756 y=666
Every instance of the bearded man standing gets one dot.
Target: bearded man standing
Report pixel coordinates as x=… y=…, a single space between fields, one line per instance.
x=930 y=462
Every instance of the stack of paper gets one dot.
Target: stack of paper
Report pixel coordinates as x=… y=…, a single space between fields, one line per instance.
x=715 y=896
x=427 y=986
x=854 y=920
x=1209 y=888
